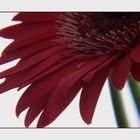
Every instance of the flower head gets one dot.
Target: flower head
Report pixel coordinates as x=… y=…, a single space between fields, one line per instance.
x=61 y=53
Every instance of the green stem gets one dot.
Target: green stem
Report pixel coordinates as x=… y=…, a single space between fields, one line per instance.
x=135 y=91
x=118 y=107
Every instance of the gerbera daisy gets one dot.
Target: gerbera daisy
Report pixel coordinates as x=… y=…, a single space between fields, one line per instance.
x=61 y=53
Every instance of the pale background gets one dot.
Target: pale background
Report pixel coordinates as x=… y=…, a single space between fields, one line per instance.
x=103 y=117
x=69 y=5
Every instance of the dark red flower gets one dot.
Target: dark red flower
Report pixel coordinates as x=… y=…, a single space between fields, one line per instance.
x=60 y=53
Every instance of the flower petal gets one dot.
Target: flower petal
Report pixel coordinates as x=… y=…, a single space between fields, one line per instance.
x=62 y=90
x=45 y=68
x=36 y=16
x=35 y=36
x=47 y=117
x=120 y=72
x=135 y=53
x=22 y=29
x=64 y=85
x=34 y=110
x=48 y=83
x=109 y=61
x=9 y=83
x=135 y=71
x=29 y=50
x=91 y=92
x=19 y=79
x=35 y=59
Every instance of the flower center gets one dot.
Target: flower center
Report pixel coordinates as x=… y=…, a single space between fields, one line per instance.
x=110 y=20
x=100 y=33
x=120 y=14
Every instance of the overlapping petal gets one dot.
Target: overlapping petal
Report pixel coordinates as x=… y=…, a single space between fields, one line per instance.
x=61 y=53
x=120 y=72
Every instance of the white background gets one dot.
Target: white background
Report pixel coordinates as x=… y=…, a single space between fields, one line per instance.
x=103 y=115
x=69 y=5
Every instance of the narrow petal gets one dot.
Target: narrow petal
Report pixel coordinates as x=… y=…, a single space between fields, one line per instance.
x=109 y=61
x=29 y=62
x=22 y=29
x=36 y=16
x=91 y=92
x=34 y=36
x=50 y=113
x=29 y=50
x=8 y=84
x=22 y=77
x=120 y=72
x=135 y=71
x=35 y=110
x=45 y=68
x=135 y=53
x=59 y=94
x=42 y=87
x=55 y=67
x=68 y=81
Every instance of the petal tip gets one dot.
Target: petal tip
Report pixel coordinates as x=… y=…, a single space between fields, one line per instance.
x=17 y=114
x=26 y=124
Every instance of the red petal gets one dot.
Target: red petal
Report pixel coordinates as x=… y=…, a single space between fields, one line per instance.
x=91 y=92
x=29 y=50
x=42 y=87
x=23 y=77
x=68 y=81
x=9 y=83
x=135 y=53
x=36 y=16
x=45 y=68
x=13 y=81
x=35 y=36
x=55 y=67
x=29 y=62
x=109 y=61
x=120 y=72
x=62 y=89
x=34 y=111
x=135 y=71
x=28 y=76
x=51 y=112
x=22 y=29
